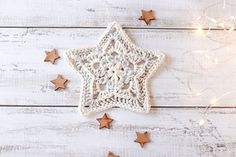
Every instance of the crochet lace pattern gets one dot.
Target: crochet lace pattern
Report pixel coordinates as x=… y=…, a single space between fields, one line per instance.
x=114 y=72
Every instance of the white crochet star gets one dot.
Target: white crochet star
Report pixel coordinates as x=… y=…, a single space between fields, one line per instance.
x=115 y=72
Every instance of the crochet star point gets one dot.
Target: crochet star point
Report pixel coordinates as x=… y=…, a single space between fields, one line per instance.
x=115 y=72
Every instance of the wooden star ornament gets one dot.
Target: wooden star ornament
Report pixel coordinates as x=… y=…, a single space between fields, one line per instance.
x=105 y=122
x=59 y=82
x=110 y=154
x=51 y=56
x=142 y=138
x=147 y=16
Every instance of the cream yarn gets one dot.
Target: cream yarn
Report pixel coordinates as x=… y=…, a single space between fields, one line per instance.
x=115 y=72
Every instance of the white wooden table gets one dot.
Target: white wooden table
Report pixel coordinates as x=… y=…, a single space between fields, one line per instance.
x=36 y=121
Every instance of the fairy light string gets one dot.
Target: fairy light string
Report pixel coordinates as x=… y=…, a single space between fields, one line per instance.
x=204 y=25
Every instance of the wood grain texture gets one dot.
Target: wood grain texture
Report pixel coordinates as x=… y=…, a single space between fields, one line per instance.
x=87 y=13
x=50 y=131
x=62 y=132
x=25 y=78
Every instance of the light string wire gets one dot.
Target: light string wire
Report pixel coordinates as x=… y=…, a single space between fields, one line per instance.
x=226 y=24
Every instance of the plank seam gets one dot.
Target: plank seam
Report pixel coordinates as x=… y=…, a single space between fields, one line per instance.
x=153 y=107
x=124 y=27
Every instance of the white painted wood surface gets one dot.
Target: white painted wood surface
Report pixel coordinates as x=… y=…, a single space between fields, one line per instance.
x=87 y=13
x=60 y=132
x=55 y=127
x=26 y=78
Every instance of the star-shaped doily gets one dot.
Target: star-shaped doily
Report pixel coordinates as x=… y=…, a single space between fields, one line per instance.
x=115 y=72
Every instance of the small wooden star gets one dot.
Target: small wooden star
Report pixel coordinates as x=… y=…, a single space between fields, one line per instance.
x=147 y=16
x=59 y=82
x=142 y=138
x=51 y=56
x=110 y=154
x=105 y=122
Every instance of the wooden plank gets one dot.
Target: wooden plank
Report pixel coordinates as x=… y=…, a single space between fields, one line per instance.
x=25 y=78
x=86 y=13
x=61 y=132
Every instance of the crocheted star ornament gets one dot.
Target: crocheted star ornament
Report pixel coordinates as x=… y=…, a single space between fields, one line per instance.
x=115 y=72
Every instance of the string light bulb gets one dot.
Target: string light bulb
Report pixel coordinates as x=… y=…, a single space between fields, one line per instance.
x=201 y=122
x=200 y=30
